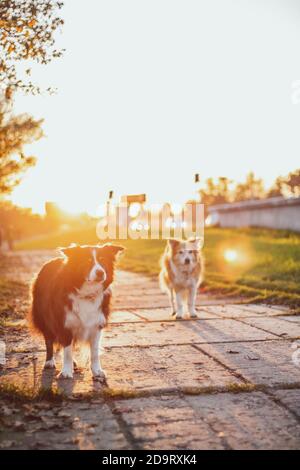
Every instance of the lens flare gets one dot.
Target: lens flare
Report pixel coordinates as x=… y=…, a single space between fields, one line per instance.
x=230 y=256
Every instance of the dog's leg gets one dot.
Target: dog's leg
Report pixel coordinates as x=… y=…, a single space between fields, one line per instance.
x=50 y=363
x=172 y=302
x=97 y=371
x=68 y=367
x=191 y=301
x=179 y=302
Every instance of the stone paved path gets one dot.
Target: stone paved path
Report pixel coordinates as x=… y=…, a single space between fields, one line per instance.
x=224 y=381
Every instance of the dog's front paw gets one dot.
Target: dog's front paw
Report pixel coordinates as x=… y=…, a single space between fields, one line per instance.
x=65 y=374
x=49 y=364
x=193 y=314
x=178 y=315
x=99 y=374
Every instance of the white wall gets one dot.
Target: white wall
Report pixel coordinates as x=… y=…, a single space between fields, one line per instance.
x=277 y=217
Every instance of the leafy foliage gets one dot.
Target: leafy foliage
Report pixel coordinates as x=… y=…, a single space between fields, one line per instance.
x=27 y=35
x=27 y=30
x=216 y=192
x=293 y=182
x=15 y=132
x=224 y=190
x=286 y=186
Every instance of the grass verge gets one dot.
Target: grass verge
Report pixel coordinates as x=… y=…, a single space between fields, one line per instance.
x=27 y=394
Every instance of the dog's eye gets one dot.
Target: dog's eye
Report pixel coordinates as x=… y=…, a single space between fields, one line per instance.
x=190 y=252
x=180 y=252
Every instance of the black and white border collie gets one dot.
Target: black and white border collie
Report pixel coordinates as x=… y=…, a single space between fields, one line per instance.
x=70 y=301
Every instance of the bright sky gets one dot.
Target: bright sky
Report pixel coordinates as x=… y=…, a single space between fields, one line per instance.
x=150 y=92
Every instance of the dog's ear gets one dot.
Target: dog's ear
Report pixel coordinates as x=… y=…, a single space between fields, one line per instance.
x=173 y=243
x=112 y=250
x=69 y=250
x=196 y=242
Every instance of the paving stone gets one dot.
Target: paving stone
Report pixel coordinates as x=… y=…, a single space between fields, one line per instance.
x=276 y=325
x=152 y=410
x=291 y=318
x=243 y=310
x=269 y=363
x=225 y=420
x=230 y=311
x=263 y=309
x=194 y=435
x=172 y=367
x=182 y=332
x=132 y=369
x=140 y=301
x=186 y=368
x=290 y=399
x=133 y=291
x=124 y=316
x=164 y=314
x=82 y=428
x=248 y=420
x=136 y=291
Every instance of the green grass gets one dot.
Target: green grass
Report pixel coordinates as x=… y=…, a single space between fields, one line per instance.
x=267 y=268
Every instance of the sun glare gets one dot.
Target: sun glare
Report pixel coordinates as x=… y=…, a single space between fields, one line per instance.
x=230 y=256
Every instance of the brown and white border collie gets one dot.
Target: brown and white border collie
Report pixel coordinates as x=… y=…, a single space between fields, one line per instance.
x=181 y=273
x=70 y=301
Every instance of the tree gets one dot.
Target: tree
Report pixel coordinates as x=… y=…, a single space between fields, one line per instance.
x=223 y=191
x=252 y=188
x=27 y=34
x=293 y=182
x=278 y=187
x=27 y=30
x=216 y=192
x=15 y=132
x=286 y=185
x=17 y=222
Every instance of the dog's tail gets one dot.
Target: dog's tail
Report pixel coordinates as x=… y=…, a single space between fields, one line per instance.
x=162 y=282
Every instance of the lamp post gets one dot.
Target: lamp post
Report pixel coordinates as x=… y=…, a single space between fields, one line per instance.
x=110 y=197
x=197 y=184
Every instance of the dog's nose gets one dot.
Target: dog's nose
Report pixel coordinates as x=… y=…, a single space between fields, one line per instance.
x=187 y=261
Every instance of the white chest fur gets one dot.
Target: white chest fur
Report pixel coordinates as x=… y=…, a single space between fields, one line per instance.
x=86 y=315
